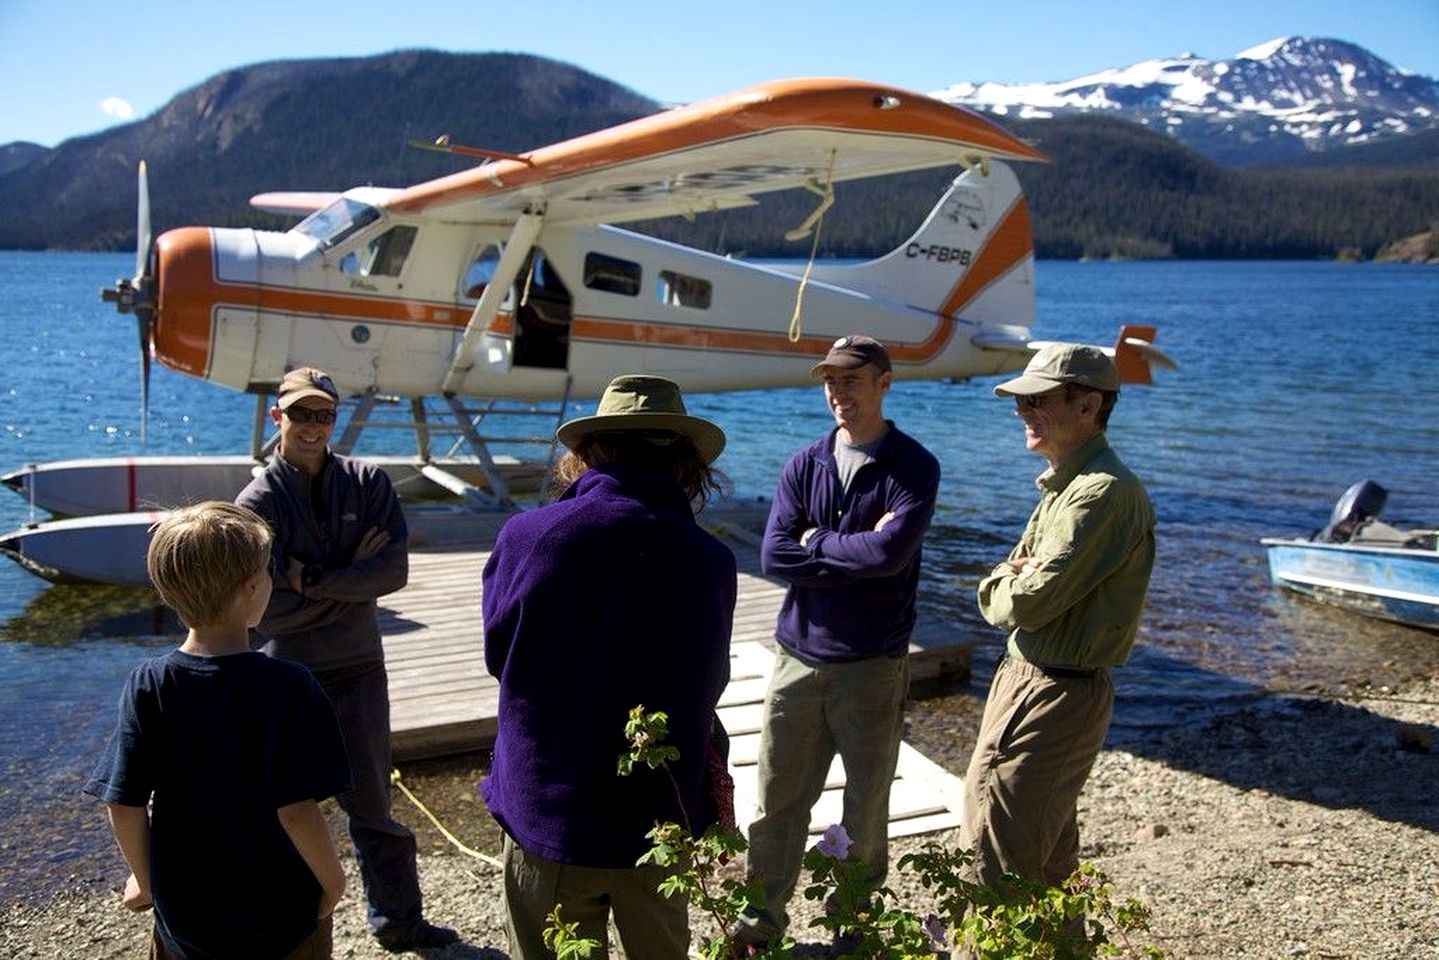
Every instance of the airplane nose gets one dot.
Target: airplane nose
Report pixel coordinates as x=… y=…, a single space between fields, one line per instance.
x=184 y=297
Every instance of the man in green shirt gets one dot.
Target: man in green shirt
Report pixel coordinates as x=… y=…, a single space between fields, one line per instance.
x=1070 y=594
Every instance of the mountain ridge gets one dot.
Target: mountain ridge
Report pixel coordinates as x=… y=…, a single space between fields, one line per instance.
x=1280 y=100
x=327 y=124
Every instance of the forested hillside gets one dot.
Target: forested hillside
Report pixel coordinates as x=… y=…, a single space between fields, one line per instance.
x=1112 y=188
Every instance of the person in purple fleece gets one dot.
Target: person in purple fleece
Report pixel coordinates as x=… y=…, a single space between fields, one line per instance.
x=609 y=598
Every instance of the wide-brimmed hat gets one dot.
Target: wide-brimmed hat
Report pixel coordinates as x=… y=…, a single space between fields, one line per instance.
x=852 y=352
x=303 y=382
x=637 y=402
x=1059 y=363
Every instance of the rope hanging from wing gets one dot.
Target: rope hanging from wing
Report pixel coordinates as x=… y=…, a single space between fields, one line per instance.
x=811 y=225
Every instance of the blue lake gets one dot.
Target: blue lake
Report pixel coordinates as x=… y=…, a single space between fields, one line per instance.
x=1296 y=380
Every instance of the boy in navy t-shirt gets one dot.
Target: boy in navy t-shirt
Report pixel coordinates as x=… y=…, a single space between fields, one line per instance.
x=231 y=751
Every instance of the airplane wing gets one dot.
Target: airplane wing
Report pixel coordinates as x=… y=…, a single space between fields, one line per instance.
x=720 y=153
x=297 y=203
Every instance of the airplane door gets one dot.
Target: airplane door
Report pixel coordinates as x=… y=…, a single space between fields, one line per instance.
x=542 y=319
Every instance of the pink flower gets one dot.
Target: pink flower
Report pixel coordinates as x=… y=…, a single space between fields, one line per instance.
x=835 y=842
x=936 y=930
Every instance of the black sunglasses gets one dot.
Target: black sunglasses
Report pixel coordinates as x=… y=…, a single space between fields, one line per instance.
x=306 y=415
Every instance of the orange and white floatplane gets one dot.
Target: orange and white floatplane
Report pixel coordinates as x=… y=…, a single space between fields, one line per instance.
x=512 y=280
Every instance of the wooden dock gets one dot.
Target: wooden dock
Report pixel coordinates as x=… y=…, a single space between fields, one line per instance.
x=442 y=700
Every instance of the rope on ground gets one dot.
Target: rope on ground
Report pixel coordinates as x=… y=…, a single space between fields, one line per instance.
x=460 y=846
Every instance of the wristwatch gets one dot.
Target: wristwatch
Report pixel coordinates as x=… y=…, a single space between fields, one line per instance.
x=311 y=574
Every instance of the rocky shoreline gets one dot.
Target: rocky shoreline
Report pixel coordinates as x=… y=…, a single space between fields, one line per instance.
x=1294 y=826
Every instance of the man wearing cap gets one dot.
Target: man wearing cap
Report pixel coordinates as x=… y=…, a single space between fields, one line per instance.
x=844 y=532
x=609 y=598
x=340 y=544
x=1070 y=594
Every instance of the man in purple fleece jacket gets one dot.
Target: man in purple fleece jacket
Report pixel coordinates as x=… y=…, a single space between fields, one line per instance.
x=844 y=531
x=608 y=598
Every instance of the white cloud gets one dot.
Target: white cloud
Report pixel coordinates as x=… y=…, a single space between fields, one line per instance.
x=117 y=107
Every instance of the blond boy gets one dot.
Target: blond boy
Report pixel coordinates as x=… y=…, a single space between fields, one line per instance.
x=219 y=758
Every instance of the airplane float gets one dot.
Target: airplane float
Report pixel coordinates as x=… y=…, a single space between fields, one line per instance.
x=511 y=280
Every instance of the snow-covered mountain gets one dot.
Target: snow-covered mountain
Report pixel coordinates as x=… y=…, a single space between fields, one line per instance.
x=1269 y=103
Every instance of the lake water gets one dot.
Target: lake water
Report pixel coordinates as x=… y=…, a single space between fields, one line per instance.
x=1296 y=380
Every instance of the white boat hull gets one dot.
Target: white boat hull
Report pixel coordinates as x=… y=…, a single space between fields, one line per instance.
x=105 y=485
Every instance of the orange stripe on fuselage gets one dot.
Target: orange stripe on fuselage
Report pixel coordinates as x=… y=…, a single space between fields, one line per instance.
x=1002 y=250
x=193 y=294
x=602 y=330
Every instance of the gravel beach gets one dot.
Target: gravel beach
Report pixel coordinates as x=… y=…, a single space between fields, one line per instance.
x=1294 y=826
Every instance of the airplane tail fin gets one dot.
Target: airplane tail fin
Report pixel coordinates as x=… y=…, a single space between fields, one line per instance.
x=1135 y=352
x=973 y=256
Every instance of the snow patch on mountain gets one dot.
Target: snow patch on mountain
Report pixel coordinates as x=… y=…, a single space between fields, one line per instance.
x=1288 y=95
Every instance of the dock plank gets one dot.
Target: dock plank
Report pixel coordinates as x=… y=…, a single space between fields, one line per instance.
x=443 y=700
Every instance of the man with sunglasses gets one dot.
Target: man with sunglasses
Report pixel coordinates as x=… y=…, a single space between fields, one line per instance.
x=1070 y=594
x=340 y=544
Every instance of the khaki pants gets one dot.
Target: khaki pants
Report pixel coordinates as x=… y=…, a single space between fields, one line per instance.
x=1037 y=742
x=651 y=926
x=812 y=712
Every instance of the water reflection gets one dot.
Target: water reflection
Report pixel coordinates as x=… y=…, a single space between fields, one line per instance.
x=66 y=614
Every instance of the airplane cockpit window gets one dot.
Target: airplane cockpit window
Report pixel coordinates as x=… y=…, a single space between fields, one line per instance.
x=611 y=274
x=679 y=290
x=481 y=271
x=337 y=221
x=384 y=256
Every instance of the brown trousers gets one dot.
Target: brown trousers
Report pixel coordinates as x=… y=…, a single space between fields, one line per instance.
x=1037 y=742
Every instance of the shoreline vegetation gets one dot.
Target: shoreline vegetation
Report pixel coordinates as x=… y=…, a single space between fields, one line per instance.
x=1287 y=826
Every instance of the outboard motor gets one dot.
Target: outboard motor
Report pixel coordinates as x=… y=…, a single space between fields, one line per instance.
x=1360 y=504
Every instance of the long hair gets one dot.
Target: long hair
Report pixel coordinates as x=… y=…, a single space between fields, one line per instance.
x=664 y=450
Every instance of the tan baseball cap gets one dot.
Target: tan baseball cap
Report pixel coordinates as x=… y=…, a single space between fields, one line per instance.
x=1059 y=363
x=303 y=382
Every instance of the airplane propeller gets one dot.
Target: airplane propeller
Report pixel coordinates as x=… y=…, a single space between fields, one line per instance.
x=137 y=294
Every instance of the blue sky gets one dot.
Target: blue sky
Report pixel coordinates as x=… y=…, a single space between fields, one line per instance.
x=70 y=67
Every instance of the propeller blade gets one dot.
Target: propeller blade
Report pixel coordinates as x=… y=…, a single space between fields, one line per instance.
x=142 y=222
x=145 y=310
x=142 y=320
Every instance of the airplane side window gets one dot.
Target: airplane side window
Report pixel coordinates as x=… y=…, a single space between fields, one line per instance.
x=481 y=271
x=384 y=256
x=389 y=251
x=611 y=274
x=680 y=290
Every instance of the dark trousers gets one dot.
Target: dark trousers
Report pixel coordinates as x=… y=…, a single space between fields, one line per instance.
x=384 y=848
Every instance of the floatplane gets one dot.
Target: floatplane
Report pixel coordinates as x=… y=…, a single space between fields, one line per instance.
x=512 y=279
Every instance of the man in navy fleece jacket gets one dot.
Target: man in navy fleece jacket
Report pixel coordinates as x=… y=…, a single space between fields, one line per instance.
x=844 y=531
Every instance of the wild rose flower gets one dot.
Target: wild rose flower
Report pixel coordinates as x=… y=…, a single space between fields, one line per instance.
x=835 y=842
x=938 y=933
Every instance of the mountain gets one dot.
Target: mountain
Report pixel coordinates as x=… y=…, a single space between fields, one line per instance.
x=320 y=124
x=1114 y=188
x=15 y=155
x=1277 y=102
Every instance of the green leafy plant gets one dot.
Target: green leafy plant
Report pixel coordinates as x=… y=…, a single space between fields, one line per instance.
x=1020 y=920
x=563 y=939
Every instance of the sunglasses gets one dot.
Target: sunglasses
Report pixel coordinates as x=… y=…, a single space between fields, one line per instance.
x=1038 y=401
x=305 y=415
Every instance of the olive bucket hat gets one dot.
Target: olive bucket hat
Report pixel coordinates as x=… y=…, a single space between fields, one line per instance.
x=637 y=402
